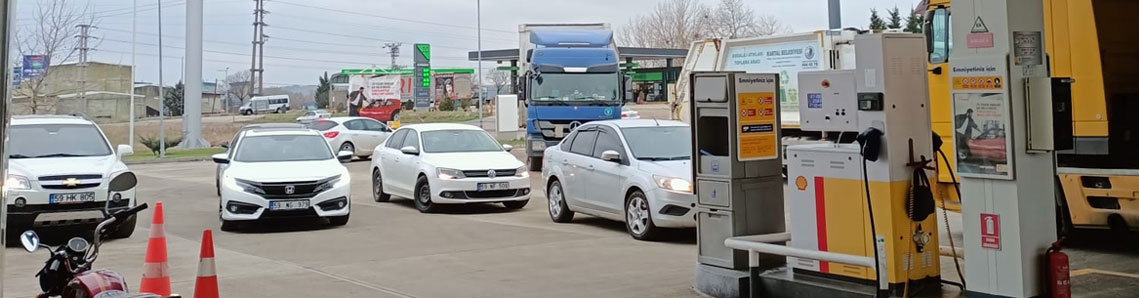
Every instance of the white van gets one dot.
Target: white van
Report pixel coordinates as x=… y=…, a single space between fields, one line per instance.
x=266 y=104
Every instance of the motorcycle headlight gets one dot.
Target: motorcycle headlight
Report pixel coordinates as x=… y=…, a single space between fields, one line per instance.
x=522 y=171
x=448 y=174
x=673 y=184
x=16 y=182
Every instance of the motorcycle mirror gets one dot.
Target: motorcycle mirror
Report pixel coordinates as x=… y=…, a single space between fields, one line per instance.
x=30 y=240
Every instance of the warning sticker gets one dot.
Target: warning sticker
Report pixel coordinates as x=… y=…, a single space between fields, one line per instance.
x=757 y=135
x=978 y=83
x=979 y=26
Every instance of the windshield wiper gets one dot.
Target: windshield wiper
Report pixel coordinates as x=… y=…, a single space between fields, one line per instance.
x=61 y=155
x=550 y=103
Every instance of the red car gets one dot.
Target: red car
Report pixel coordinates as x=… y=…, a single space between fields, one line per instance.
x=383 y=111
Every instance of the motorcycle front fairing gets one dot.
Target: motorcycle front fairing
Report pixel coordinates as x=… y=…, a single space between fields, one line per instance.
x=94 y=282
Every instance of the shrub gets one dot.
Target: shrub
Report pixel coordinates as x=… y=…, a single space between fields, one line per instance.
x=447 y=105
x=154 y=144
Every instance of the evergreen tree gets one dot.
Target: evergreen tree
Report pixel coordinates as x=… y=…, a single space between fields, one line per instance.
x=915 y=23
x=322 y=90
x=895 y=18
x=876 y=22
x=175 y=99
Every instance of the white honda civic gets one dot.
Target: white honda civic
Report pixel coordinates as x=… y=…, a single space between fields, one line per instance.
x=283 y=173
x=442 y=163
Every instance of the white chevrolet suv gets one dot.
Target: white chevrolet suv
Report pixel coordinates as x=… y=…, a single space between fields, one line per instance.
x=281 y=172
x=62 y=172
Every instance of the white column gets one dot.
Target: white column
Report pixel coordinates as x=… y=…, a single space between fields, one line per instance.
x=192 y=105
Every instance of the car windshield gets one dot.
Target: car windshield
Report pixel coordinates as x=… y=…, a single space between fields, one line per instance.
x=283 y=148
x=645 y=142
x=576 y=87
x=458 y=140
x=56 y=140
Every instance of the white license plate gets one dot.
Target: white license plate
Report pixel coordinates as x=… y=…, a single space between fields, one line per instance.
x=68 y=198
x=493 y=186
x=288 y=205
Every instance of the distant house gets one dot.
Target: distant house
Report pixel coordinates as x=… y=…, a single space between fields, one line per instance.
x=213 y=100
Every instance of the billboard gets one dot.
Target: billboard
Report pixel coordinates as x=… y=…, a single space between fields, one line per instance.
x=35 y=66
x=786 y=58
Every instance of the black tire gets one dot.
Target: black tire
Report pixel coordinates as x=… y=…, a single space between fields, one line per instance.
x=348 y=146
x=423 y=196
x=229 y=225
x=247 y=112
x=378 y=187
x=338 y=220
x=638 y=217
x=278 y=111
x=395 y=115
x=514 y=205
x=535 y=164
x=217 y=185
x=125 y=229
x=558 y=209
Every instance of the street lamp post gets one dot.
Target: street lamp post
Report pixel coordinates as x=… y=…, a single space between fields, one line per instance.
x=478 y=13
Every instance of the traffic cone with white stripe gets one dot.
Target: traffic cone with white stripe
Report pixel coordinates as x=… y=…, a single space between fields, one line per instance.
x=155 y=276
x=207 y=284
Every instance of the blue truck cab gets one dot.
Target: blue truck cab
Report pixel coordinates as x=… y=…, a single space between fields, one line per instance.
x=572 y=77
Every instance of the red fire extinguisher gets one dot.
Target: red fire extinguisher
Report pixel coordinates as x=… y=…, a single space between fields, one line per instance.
x=1059 y=283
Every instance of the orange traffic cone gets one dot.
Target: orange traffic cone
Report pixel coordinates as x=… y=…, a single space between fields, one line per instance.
x=155 y=276
x=207 y=284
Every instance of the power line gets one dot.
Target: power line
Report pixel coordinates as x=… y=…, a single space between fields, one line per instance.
x=391 y=18
x=382 y=27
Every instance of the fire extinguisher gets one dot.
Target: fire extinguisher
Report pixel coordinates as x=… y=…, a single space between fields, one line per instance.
x=1059 y=283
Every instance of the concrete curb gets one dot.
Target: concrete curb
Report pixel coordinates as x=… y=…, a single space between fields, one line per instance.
x=168 y=160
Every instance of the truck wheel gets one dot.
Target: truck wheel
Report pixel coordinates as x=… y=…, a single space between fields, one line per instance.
x=126 y=229
x=535 y=164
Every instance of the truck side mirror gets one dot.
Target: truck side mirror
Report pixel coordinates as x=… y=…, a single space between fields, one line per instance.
x=627 y=85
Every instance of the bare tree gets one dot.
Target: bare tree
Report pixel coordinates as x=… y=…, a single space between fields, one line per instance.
x=733 y=19
x=500 y=79
x=53 y=34
x=239 y=86
x=672 y=24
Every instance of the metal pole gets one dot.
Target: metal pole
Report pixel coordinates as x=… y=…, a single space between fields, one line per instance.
x=161 y=92
x=192 y=97
x=134 y=52
x=5 y=84
x=478 y=13
x=835 y=14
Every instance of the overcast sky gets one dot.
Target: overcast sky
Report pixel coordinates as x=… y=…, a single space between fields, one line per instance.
x=308 y=38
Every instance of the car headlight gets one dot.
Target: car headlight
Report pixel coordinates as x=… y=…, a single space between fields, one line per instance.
x=522 y=171
x=248 y=187
x=16 y=182
x=448 y=174
x=538 y=145
x=673 y=184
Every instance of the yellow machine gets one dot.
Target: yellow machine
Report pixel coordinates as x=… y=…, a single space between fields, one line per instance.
x=883 y=100
x=1086 y=41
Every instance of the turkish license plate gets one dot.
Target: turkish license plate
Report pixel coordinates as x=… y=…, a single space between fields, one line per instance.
x=69 y=198
x=288 y=205
x=493 y=186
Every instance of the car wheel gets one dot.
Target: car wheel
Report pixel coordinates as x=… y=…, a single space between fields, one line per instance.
x=278 y=111
x=347 y=146
x=638 y=218
x=535 y=164
x=395 y=116
x=126 y=228
x=559 y=211
x=515 y=204
x=378 y=187
x=338 y=220
x=423 y=196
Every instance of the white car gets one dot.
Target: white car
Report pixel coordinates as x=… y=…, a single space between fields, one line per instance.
x=62 y=172
x=627 y=113
x=283 y=173
x=313 y=115
x=358 y=135
x=637 y=171
x=443 y=163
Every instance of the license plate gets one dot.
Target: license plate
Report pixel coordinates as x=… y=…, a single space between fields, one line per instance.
x=68 y=198
x=493 y=186
x=288 y=205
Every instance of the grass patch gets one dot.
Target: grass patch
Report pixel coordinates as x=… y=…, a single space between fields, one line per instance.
x=175 y=154
x=410 y=117
x=286 y=117
x=519 y=143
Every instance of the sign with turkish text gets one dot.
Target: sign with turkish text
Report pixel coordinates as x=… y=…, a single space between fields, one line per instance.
x=35 y=65
x=757 y=110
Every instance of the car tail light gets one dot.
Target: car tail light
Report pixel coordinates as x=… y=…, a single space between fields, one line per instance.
x=331 y=134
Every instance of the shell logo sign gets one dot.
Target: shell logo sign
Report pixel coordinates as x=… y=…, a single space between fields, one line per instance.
x=801 y=183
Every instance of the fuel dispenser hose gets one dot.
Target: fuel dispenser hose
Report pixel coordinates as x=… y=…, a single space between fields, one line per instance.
x=873 y=231
x=945 y=215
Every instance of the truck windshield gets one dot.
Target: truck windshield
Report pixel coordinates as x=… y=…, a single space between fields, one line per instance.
x=576 y=87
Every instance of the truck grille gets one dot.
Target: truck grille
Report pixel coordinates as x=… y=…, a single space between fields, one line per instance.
x=549 y=128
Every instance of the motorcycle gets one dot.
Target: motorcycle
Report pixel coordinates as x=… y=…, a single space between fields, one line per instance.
x=67 y=273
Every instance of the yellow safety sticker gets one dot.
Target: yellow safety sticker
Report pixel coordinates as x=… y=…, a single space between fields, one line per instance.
x=978 y=83
x=756 y=126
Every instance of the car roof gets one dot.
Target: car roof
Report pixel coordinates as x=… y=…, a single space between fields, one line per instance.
x=281 y=132
x=50 y=119
x=440 y=126
x=625 y=123
x=343 y=119
x=273 y=126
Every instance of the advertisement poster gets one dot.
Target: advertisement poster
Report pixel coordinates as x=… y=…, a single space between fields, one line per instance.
x=786 y=59
x=982 y=140
x=445 y=87
x=382 y=95
x=35 y=65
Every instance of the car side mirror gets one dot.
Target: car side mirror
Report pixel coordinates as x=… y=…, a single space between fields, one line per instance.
x=409 y=150
x=125 y=150
x=30 y=240
x=220 y=158
x=610 y=155
x=507 y=147
x=344 y=156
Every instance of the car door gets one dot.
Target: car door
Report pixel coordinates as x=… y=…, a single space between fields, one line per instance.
x=375 y=132
x=605 y=178
x=357 y=135
x=407 y=165
x=389 y=154
x=576 y=180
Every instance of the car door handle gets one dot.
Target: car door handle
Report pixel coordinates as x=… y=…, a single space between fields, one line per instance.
x=590 y=167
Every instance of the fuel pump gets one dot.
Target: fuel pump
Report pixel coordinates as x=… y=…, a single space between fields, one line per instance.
x=869 y=198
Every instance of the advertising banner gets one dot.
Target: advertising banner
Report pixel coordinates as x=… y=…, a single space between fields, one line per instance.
x=787 y=59
x=35 y=65
x=980 y=124
x=381 y=95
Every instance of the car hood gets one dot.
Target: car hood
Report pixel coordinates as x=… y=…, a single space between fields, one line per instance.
x=668 y=168
x=36 y=167
x=473 y=160
x=285 y=171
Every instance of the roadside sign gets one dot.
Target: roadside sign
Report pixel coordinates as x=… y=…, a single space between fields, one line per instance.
x=421 y=77
x=35 y=65
x=990 y=231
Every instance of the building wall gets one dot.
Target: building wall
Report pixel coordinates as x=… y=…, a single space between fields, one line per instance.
x=100 y=77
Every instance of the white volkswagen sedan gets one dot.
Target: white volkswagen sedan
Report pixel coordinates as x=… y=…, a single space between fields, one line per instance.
x=283 y=173
x=443 y=163
x=637 y=171
x=354 y=134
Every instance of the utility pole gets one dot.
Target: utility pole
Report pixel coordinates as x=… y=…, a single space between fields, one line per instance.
x=6 y=19
x=192 y=78
x=161 y=92
x=394 y=52
x=834 y=14
x=84 y=49
x=257 y=66
x=478 y=15
x=134 y=54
